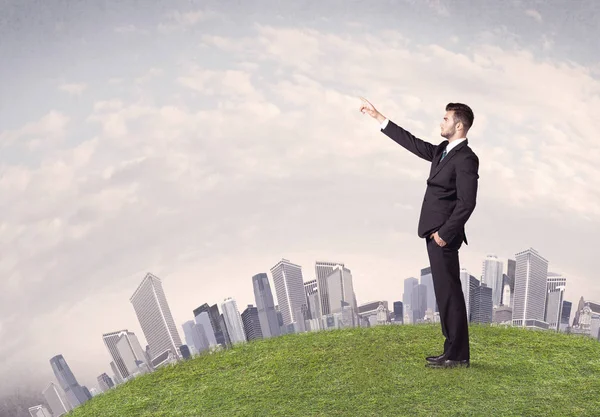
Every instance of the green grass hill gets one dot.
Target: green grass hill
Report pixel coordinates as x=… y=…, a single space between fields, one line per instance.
x=376 y=371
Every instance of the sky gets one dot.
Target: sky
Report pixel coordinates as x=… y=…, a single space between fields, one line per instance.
x=205 y=141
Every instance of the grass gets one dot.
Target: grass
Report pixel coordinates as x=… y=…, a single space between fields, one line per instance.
x=375 y=371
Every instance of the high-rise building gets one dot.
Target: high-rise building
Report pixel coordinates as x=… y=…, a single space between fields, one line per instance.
x=67 y=381
x=409 y=284
x=289 y=287
x=566 y=314
x=555 y=280
x=427 y=280
x=204 y=334
x=155 y=318
x=341 y=290
x=251 y=322
x=322 y=270
x=215 y=323
x=265 y=305
x=105 y=382
x=310 y=288
x=56 y=400
x=482 y=308
x=419 y=303
x=531 y=275
x=491 y=276
x=39 y=411
x=131 y=343
x=233 y=321
x=398 y=312
x=554 y=304
x=468 y=284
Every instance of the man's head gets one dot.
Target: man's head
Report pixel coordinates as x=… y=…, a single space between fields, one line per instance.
x=457 y=121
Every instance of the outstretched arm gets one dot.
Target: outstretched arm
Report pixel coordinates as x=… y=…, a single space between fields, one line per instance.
x=402 y=137
x=466 y=190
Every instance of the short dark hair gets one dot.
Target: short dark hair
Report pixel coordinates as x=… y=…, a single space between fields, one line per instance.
x=462 y=113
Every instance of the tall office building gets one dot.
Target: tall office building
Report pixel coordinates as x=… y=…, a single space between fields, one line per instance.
x=482 y=308
x=409 y=285
x=492 y=276
x=56 y=400
x=104 y=382
x=213 y=315
x=154 y=315
x=531 y=275
x=67 y=381
x=203 y=331
x=233 y=321
x=398 y=312
x=251 y=323
x=110 y=341
x=265 y=305
x=468 y=284
x=322 y=270
x=341 y=290
x=566 y=314
x=555 y=280
x=419 y=303
x=312 y=299
x=39 y=411
x=427 y=280
x=554 y=304
x=289 y=287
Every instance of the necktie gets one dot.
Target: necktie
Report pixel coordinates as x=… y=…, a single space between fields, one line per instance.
x=443 y=155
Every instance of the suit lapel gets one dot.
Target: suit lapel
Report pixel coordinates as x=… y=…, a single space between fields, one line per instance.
x=444 y=161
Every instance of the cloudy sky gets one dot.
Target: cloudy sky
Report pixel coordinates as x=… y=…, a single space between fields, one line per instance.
x=204 y=142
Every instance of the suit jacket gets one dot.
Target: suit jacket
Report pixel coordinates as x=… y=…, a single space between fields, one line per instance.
x=451 y=191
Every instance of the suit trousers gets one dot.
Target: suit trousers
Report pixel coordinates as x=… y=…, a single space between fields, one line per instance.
x=445 y=270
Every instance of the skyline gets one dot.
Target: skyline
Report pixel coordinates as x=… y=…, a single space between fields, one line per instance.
x=227 y=299
x=188 y=140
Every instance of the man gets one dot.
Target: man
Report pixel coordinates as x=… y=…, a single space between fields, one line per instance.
x=448 y=203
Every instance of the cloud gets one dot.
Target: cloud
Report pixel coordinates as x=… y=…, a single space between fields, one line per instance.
x=176 y=19
x=534 y=14
x=75 y=89
x=48 y=130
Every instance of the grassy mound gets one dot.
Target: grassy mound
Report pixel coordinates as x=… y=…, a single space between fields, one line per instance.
x=372 y=372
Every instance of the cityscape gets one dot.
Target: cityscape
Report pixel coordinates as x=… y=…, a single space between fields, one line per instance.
x=524 y=292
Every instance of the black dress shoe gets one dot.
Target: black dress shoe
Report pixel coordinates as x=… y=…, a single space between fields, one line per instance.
x=435 y=359
x=448 y=364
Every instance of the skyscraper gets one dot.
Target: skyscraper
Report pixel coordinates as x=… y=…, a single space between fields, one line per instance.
x=67 y=381
x=427 y=280
x=154 y=315
x=233 y=321
x=251 y=323
x=112 y=339
x=398 y=312
x=265 y=305
x=215 y=323
x=409 y=284
x=105 y=382
x=481 y=306
x=204 y=333
x=322 y=270
x=419 y=303
x=341 y=290
x=491 y=276
x=39 y=411
x=55 y=397
x=531 y=275
x=289 y=287
x=555 y=280
x=468 y=284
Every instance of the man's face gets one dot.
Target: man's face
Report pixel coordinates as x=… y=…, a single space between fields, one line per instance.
x=448 y=126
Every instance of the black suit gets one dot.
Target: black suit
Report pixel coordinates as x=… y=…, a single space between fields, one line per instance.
x=449 y=200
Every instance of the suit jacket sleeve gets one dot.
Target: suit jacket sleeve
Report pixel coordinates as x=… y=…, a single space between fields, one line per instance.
x=404 y=138
x=466 y=190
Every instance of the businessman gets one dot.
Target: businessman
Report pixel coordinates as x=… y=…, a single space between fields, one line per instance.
x=449 y=201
